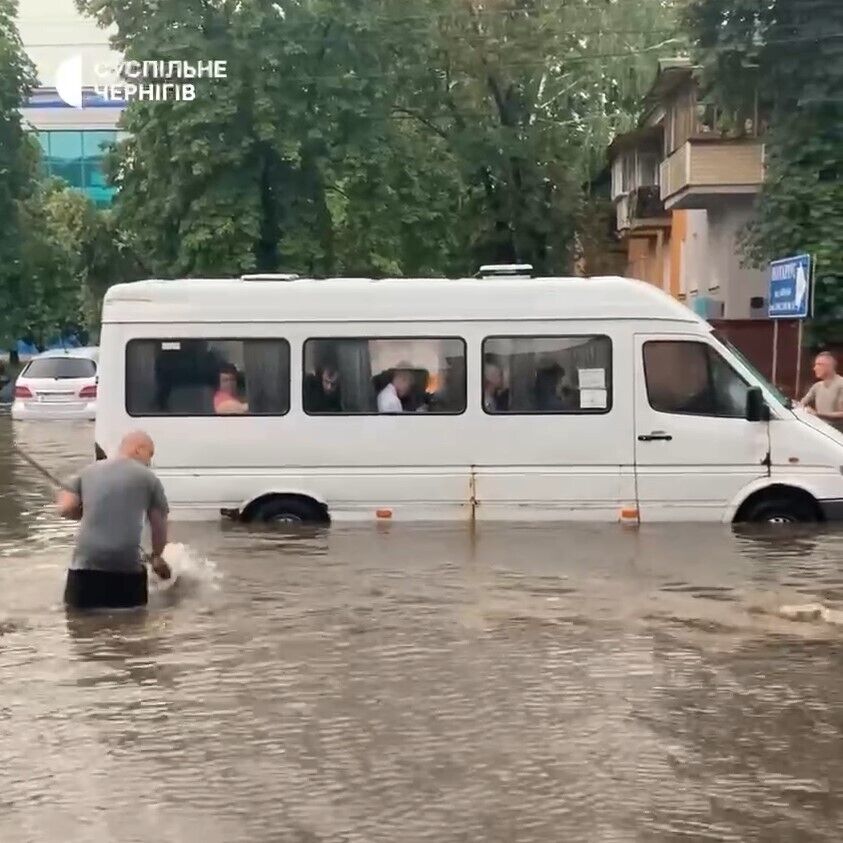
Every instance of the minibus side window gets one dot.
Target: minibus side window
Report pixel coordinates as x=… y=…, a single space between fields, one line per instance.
x=547 y=375
x=691 y=378
x=207 y=377
x=394 y=375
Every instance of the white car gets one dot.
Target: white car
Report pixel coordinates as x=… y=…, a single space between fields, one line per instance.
x=60 y=384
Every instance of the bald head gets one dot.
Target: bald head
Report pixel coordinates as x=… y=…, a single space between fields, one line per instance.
x=825 y=366
x=139 y=446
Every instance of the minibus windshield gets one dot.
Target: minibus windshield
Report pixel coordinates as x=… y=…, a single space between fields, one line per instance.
x=779 y=395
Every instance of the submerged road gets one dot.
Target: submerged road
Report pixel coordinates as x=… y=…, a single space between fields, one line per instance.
x=527 y=683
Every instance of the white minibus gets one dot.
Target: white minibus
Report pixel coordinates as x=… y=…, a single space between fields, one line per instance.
x=278 y=398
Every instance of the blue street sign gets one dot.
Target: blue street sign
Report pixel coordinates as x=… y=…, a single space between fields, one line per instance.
x=790 y=288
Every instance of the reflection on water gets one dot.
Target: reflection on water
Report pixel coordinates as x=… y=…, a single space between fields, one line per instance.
x=421 y=684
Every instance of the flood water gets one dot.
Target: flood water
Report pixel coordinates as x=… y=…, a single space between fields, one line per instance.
x=516 y=683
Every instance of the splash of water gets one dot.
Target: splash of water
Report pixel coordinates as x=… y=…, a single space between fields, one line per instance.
x=191 y=570
x=812 y=612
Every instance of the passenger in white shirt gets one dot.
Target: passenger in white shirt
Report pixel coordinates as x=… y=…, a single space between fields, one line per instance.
x=389 y=398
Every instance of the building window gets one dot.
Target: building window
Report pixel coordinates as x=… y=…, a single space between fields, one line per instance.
x=396 y=375
x=648 y=169
x=77 y=158
x=203 y=377
x=691 y=378
x=94 y=148
x=559 y=374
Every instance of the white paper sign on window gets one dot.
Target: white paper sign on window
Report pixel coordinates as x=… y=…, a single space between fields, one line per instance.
x=592 y=378
x=593 y=399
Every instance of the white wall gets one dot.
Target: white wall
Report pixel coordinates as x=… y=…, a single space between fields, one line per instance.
x=737 y=283
x=53 y=30
x=711 y=258
x=694 y=264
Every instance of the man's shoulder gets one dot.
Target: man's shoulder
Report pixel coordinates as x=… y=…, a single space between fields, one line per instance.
x=121 y=467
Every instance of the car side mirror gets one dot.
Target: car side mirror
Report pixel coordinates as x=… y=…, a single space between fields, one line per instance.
x=756 y=408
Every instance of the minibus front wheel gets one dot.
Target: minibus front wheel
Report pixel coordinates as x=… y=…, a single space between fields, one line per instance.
x=779 y=506
x=285 y=509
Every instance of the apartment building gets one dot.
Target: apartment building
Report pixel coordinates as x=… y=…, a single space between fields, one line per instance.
x=684 y=184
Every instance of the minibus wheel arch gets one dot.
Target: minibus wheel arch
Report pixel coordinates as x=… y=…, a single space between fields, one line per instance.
x=282 y=508
x=779 y=503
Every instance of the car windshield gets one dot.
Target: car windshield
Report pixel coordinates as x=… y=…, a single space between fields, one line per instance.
x=60 y=368
x=777 y=393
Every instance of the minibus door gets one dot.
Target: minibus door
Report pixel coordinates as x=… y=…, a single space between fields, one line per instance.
x=694 y=448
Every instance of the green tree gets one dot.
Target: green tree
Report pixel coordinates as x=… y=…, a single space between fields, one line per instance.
x=69 y=254
x=17 y=165
x=383 y=137
x=791 y=53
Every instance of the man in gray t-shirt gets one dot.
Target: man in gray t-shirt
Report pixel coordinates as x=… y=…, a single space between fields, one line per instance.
x=111 y=499
x=825 y=397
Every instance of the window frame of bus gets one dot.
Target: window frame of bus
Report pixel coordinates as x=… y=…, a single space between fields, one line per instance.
x=610 y=388
x=284 y=343
x=413 y=338
x=709 y=350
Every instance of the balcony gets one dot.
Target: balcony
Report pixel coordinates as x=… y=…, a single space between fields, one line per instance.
x=641 y=208
x=704 y=171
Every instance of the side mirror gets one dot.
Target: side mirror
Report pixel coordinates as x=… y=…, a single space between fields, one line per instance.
x=756 y=408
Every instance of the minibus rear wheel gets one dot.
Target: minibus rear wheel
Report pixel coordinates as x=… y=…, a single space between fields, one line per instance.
x=286 y=509
x=785 y=509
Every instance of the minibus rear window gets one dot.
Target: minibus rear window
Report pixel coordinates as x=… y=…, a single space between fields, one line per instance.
x=547 y=375
x=207 y=377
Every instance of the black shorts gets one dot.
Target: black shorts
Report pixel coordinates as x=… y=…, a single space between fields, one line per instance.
x=105 y=590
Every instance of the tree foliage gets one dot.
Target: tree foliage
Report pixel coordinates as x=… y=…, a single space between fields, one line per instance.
x=791 y=52
x=58 y=253
x=17 y=160
x=383 y=137
x=70 y=252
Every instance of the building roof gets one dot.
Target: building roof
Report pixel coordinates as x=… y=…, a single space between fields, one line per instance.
x=394 y=300
x=634 y=139
x=671 y=74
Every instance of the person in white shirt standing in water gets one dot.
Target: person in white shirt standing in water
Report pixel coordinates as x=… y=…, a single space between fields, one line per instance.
x=111 y=499
x=825 y=397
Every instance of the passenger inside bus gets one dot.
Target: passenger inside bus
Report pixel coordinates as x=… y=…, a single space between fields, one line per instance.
x=495 y=396
x=226 y=399
x=551 y=394
x=397 y=391
x=322 y=390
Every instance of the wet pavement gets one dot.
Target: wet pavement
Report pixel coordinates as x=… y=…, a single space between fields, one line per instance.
x=424 y=683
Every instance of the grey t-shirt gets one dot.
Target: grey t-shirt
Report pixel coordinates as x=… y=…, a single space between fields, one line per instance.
x=825 y=397
x=116 y=495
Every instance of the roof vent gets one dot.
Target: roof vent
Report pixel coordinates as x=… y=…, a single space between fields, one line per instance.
x=506 y=270
x=270 y=276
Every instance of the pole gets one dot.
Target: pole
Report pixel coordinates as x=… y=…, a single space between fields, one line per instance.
x=775 y=349
x=37 y=466
x=798 y=362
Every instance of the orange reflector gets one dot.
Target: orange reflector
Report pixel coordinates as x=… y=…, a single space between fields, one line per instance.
x=629 y=513
x=383 y=513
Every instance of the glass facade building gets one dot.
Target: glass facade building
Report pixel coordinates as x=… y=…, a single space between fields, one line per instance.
x=77 y=157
